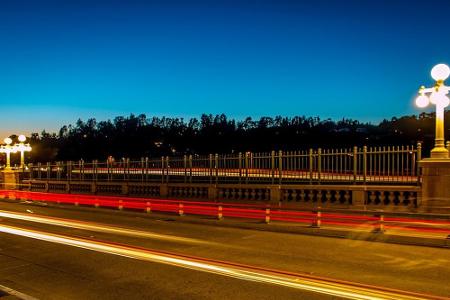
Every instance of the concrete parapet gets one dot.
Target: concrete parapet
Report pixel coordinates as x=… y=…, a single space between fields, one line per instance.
x=380 y=197
x=212 y=193
x=10 y=179
x=435 y=195
x=359 y=198
x=163 y=190
x=125 y=188
x=275 y=194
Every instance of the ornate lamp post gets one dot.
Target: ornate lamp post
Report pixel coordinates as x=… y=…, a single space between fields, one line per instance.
x=22 y=148
x=8 y=149
x=435 y=171
x=438 y=97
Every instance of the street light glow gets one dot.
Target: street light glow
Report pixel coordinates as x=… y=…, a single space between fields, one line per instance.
x=22 y=148
x=18 y=147
x=422 y=101
x=440 y=72
x=438 y=97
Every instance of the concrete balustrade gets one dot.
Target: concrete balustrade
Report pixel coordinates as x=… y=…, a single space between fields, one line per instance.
x=389 y=198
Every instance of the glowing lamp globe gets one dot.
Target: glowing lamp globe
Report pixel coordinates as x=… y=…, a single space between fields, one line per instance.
x=435 y=97
x=445 y=101
x=22 y=138
x=439 y=98
x=7 y=141
x=422 y=101
x=440 y=72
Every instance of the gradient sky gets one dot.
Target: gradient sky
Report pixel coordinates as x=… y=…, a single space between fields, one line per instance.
x=64 y=60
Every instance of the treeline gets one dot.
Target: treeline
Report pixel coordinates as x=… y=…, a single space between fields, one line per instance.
x=140 y=136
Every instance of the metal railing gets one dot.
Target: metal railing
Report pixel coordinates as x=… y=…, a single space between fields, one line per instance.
x=357 y=165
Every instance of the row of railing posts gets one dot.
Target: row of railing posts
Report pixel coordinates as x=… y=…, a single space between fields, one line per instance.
x=313 y=166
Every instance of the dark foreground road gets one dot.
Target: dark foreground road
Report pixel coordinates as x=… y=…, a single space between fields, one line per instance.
x=48 y=270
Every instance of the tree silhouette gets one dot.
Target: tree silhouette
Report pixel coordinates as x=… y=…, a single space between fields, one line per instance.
x=140 y=136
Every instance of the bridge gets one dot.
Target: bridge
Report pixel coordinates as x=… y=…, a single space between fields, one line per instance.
x=362 y=193
x=386 y=178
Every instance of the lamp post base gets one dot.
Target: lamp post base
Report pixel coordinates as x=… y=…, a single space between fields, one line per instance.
x=10 y=179
x=435 y=196
x=439 y=153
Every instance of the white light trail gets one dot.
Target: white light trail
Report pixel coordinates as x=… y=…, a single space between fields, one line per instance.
x=98 y=227
x=256 y=274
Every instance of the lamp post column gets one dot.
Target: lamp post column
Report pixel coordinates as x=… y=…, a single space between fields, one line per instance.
x=439 y=150
x=22 y=148
x=22 y=159
x=7 y=149
x=9 y=176
x=8 y=160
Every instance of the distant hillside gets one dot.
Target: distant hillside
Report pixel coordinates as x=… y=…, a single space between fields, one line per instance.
x=139 y=136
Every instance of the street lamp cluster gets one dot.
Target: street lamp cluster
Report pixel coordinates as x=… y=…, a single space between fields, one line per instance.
x=21 y=147
x=437 y=95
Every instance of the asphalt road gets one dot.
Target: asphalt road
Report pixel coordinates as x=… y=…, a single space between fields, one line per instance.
x=54 y=271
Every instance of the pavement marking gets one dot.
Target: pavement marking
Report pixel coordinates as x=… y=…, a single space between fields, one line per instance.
x=15 y=293
x=310 y=283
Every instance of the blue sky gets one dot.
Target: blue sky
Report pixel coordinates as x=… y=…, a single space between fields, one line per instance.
x=64 y=60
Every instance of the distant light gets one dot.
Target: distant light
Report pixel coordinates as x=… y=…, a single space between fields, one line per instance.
x=440 y=72
x=7 y=141
x=422 y=101
x=22 y=138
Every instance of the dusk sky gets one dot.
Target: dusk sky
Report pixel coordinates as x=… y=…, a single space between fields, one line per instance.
x=64 y=60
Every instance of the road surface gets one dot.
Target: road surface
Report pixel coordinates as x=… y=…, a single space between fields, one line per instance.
x=138 y=256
